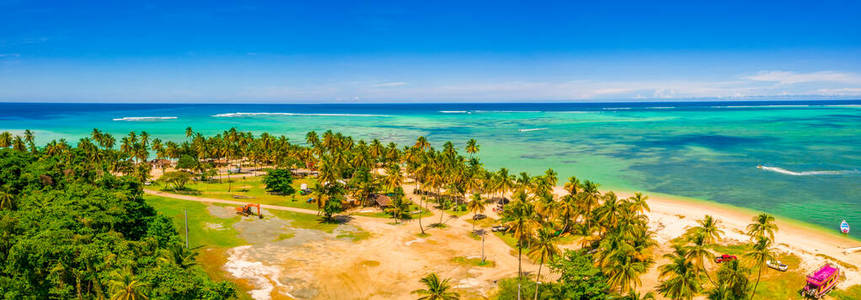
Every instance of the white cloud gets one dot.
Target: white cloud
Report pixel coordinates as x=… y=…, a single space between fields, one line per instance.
x=841 y=92
x=786 y=77
x=390 y=84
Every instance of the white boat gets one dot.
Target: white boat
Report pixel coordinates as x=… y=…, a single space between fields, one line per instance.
x=844 y=227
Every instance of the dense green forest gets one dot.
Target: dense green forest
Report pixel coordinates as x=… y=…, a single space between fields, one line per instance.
x=72 y=230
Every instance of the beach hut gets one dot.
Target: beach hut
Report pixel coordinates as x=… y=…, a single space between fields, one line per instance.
x=382 y=200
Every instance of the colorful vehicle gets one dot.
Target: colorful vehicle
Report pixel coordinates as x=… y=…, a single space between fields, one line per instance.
x=725 y=258
x=844 y=227
x=821 y=282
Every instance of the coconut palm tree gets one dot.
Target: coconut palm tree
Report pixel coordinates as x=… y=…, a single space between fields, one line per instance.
x=708 y=227
x=543 y=249
x=732 y=282
x=394 y=177
x=7 y=200
x=5 y=139
x=436 y=289
x=698 y=253
x=125 y=287
x=759 y=255
x=475 y=206
x=684 y=281
x=623 y=270
x=472 y=147
x=638 y=200
x=762 y=227
x=189 y=132
x=634 y=295
x=521 y=222
x=30 y=139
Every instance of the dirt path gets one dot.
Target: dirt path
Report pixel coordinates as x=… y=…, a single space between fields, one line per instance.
x=388 y=265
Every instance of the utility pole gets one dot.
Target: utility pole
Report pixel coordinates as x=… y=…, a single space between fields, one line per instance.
x=186 y=227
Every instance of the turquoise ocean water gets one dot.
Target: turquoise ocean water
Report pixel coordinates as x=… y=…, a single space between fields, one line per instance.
x=811 y=151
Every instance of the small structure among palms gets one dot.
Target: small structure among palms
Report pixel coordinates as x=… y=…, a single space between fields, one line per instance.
x=436 y=289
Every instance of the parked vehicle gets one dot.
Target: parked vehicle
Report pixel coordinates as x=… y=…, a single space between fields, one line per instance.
x=498 y=228
x=821 y=282
x=725 y=258
x=777 y=265
x=478 y=217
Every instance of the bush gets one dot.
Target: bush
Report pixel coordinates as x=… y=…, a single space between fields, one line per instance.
x=279 y=181
x=176 y=179
x=186 y=162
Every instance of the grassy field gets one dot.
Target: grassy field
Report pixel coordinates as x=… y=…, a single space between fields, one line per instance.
x=252 y=189
x=201 y=224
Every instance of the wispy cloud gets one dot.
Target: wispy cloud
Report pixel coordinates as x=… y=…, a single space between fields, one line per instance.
x=389 y=84
x=786 y=77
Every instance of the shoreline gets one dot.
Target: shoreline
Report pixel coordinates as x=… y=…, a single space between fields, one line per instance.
x=671 y=215
x=782 y=219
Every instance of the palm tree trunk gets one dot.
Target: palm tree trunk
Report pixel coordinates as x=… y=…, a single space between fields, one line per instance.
x=757 y=282
x=421 y=213
x=538 y=278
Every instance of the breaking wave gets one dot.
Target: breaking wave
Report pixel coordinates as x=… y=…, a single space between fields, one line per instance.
x=809 y=173
x=455 y=112
x=246 y=114
x=531 y=129
x=144 y=118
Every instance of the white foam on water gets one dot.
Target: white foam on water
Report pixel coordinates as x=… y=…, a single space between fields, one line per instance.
x=144 y=118
x=616 y=108
x=507 y=111
x=455 y=112
x=253 y=114
x=261 y=276
x=661 y=107
x=809 y=173
x=531 y=129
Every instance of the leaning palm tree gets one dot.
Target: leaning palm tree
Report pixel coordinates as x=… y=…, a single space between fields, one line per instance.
x=683 y=281
x=624 y=271
x=638 y=200
x=436 y=289
x=759 y=256
x=125 y=287
x=475 y=206
x=543 y=249
x=698 y=253
x=762 y=227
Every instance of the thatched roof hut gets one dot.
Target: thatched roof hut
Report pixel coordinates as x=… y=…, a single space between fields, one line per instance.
x=382 y=200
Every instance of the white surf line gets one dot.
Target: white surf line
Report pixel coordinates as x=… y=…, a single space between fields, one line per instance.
x=251 y=114
x=808 y=173
x=531 y=129
x=144 y=118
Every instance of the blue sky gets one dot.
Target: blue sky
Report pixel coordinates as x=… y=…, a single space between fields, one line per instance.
x=428 y=51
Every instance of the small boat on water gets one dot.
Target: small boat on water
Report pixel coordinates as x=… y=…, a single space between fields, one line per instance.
x=844 y=227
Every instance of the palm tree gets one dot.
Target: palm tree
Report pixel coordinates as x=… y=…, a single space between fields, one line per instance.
x=472 y=147
x=5 y=139
x=762 y=227
x=394 y=178
x=475 y=206
x=436 y=289
x=543 y=249
x=521 y=223
x=30 y=139
x=732 y=282
x=180 y=256
x=639 y=202
x=699 y=254
x=189 y=132
x=684 y=280
x=760 y=255
x=624 y=270
x=634 y=295
x=7 y=200
x=709 y=229
x=126 y=287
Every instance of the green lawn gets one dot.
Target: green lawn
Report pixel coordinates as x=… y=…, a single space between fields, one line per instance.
x=255 y=191
x=200 y=223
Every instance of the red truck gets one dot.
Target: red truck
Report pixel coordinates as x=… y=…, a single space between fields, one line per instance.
x=725 y=258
